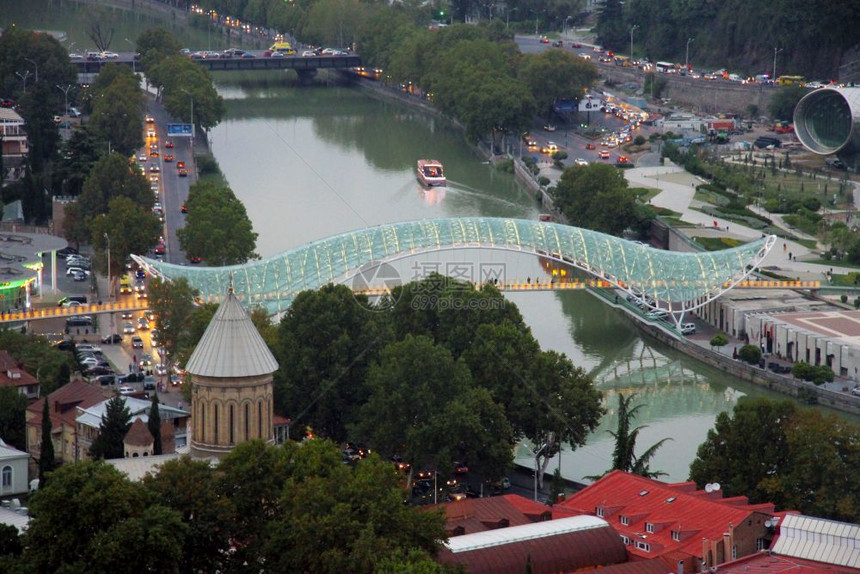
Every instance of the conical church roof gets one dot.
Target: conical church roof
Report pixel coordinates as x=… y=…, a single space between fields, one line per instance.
x=231 y=346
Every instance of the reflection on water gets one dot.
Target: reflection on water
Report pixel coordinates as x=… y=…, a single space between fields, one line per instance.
x=318 y=161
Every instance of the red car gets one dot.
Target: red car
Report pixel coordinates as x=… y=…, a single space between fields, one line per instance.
x=183 y=209
x=168 y=143
x=180 y=164
x=544 y=40
x=590 y=146
x=194 y=259
x=604 y=154
x=183 y=173
x=168 y=157
x=159 y=249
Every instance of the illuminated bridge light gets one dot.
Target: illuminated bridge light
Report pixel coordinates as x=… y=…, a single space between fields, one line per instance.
x=273 y=283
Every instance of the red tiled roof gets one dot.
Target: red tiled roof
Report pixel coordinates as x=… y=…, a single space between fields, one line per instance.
x=479 y=514
x=768 y=563
x=279 y=421
x=138 y=434
x=63 y=402
x=12 y=374
x=679 y=507
x=659 y=565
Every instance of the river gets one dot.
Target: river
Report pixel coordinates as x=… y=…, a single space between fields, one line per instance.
x=309 y=162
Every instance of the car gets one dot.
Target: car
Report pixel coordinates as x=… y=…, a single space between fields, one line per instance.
x=127 y=315
x=856 y=391
x=657 y=314
x=143 y=294
x=136 y=342
x=128 y=328
x=109 y=55
x=144 y=361
x=129 y=378
x=149 y=383
x=183 y=209
x=604 y=154
x=160 y=369
x=153 y=153
x=106 y=379
x=140 y=274
x=73 y=270
x=154 y=168
x=558 y=44
x=89 y=361
x=168 y=158
x=544 y=40
x=75 y=56
x=233 y=53
x=98 y=371
x=585 y=56
x=112 y=339
x=273 y=54
x=126 y=390
x=149 y=119
x=141 y=158
x=460 y=467
x=143 y=324
x=71 y=303
x=195 y=259
x=89 y=347
x=576 y=45
x=175 y=380
x=180 y=164
x=688 y=328
x=159 y=249
x=549 y=128
x=183 y=173
x=150 y=133
x=590 y=146
x=169 y=144
x=580 y=161
x=66 y=252
x=549 y=148
x=247 y=56
x=622 y=160
x=65 y=345
x=309 y=54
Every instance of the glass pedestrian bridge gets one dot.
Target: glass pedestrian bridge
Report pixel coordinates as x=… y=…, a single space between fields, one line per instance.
x=673 y=280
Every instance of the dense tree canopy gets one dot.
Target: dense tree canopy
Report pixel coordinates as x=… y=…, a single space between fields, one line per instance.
x=116 y=106
x=173 y=304
x=217 y=227
x=774 y=452
x=596 y=197
x=115 y=424
x=556 y=74
x=181 y=82
x=128 y=228
x=13 y=428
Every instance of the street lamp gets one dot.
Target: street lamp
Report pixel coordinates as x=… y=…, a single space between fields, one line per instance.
x=564 y=25
x=687 y=57
x=632 y=28
x=66 y=95
x=133 y=62
x=37 y=68
x=775 y=52
x=72 y=45
x=192 y=111
x=107 y=238
x=24 y=78
x=508 y=17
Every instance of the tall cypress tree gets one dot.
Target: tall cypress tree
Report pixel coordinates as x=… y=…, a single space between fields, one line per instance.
x=115 y=424
x=46 y=454
x=154 y=425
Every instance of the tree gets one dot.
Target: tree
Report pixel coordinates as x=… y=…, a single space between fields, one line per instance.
x=217 y=227
x=745 y=448
x=784 y=101
x=554 y=75
x=173 y=304
x=357 y=520
x=624 y=456
x=89 y=513
x=327 y=341
x=127 y=227
x=750 y=354
x=79 y=154
x=719 y=340
x=100 y=27
x=46 y=450
x=116 y=110
x=817 y=374
x=191 y=488
x=111 y=177
x=153 y=423
x=154 y=45
x=411 y=385
x=13 y=426
x=596 y=197
x=182 y=81
x=115 y=424
x=611 y=25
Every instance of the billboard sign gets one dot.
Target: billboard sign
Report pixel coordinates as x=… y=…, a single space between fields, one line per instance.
x=180 y=130
x=589 y=104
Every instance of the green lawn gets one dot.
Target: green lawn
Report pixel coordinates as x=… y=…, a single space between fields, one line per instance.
x=717 y=243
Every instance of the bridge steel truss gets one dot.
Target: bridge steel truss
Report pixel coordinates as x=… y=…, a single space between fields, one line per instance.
x=675 y=281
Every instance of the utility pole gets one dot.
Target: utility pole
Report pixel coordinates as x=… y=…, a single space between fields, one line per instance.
x=687 y=57
x=775 y=52
x=632 y=28
x=133 y=61
x=37 y=68
x=66 y=95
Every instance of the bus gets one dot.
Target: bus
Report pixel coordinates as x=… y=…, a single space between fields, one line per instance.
x=791 y=81
x=666 y=67
x=125 y=284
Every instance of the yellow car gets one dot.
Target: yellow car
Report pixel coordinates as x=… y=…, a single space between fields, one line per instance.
x=550 y=148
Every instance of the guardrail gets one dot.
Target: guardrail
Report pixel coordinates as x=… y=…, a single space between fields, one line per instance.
x=76 y=311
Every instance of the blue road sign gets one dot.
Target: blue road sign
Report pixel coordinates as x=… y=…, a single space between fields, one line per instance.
x=180 y=130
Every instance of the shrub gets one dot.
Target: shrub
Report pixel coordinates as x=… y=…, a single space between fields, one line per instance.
x=206 y=165
x=719 y=340
x=843 y=298
x=817 y=374
x=640 y=140
x=543 y=181
x=811 y=203
x=750 y=354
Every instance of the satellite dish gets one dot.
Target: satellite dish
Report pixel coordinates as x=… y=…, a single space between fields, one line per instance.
x=709 y=488
x=716 y=486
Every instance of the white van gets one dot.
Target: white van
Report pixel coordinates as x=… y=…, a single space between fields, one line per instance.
x=688 y=328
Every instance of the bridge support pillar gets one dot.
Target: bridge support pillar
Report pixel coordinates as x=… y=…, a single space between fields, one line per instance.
x=305 y=76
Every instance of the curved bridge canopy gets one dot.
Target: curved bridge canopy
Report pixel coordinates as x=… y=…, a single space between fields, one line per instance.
x=680 y=281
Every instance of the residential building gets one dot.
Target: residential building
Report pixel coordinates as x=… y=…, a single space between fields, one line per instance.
x=63 y=404
x=472 y=515
x=13 y=470
x=12 y=134
x=12 y=374
x=174 y=423
x=655 y=519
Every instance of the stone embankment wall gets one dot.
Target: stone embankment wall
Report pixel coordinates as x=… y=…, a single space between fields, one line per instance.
x=718 y=96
